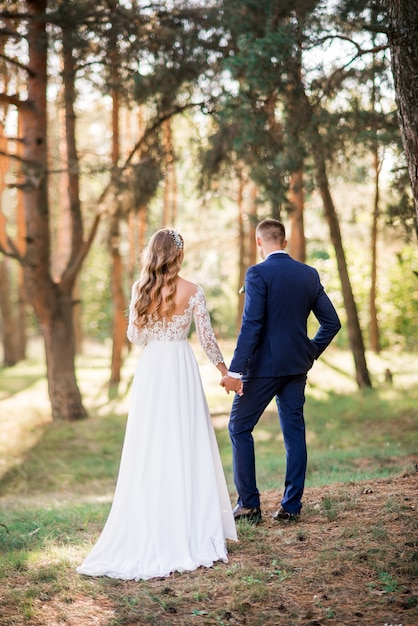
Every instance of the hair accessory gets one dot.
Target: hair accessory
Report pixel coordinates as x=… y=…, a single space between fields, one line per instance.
x=177 y=238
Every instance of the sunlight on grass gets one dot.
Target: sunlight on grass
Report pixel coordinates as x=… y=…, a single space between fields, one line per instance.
x=351 y=434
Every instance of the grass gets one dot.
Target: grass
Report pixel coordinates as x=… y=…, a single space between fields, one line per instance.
x=351 y=560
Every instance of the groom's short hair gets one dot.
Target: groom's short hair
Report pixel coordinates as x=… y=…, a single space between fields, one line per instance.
x=271 y=230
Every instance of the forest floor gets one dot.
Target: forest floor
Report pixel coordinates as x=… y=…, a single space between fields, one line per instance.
x=352 y=559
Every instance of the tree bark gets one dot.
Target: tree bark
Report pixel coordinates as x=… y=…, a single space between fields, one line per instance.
x=241 y=252
x=59 y=347
x=21 y=246
x=170 y=183
x=252 y=213
x=374 y=334
x=9 y=326
x=354 y=331
x=297 y=242
x=70 y=231
x=119 y=306
x=52 y=301
x=118 y=298
x=403 y=42
x=374 y=324
x=10 y=356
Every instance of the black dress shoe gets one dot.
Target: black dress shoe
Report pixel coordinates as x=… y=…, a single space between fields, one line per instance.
x=251 y=515
x=283 y=516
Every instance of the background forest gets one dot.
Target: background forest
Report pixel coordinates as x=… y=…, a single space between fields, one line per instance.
x=118 y=118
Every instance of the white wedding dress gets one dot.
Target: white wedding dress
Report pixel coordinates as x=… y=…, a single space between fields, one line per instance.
x=171 y=509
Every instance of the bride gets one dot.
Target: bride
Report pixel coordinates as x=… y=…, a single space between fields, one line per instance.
x=171 y=509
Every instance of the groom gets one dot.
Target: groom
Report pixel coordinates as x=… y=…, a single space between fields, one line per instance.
x=271 y=359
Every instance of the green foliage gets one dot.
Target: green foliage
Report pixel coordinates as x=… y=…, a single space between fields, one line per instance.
x=401 y=301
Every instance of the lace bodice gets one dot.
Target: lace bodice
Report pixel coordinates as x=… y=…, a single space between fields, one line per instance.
x=177 y=329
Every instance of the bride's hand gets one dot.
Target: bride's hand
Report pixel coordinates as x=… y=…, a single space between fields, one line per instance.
x=232 y=384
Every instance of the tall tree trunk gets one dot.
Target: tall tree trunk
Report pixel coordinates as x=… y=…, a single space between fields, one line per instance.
x=10 y=356
x=118 y=298
x=132 y=240
x=403 y=41
x=22 y=301
x=58 y=333
x=10 y=331
x=142 y=226
x=69 y=205
x=170 y=183
x=354 y=331
x=374 y=324
x=119 y=305
x=297 y=242
x=252 y=214
x=52 y=301
x=242 y=266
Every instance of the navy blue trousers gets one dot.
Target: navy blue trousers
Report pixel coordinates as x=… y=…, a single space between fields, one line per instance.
x=245 y=412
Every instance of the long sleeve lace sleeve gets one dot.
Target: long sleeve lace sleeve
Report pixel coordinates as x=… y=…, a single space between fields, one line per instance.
x=136 y=335
x=204 y=329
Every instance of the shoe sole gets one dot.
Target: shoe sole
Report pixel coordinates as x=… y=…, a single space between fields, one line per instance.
x=250 y=519
x=292 y=519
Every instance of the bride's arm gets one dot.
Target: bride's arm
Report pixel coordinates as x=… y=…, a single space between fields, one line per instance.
x=205 y=333
x=136 y=335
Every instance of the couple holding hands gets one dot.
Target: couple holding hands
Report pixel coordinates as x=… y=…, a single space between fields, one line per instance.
x=171 y=509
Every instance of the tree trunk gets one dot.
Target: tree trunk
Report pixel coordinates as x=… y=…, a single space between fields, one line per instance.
x=119 y=306
x=59 y=343
x=297 y=243
x=9 y=327
x=10 y=356
x=170 y=183
x=118 y=298
x=354 y=331
x=21 y=246
x=52 y=301
x=374 y=324
x=68 y=190
x=241 y=252
x=21 y=315
x=142 y=228
x=403 y=41
x=252 y=213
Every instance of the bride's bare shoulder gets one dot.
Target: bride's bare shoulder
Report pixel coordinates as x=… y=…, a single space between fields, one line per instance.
x=186 y=287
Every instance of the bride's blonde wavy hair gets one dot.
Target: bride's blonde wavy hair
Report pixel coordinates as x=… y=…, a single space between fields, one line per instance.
x=161 y=264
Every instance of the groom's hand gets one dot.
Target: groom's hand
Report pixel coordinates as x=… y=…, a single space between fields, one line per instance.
x=232 y=384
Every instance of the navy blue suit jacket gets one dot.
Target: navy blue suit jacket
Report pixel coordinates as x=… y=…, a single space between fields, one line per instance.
x=280 y=294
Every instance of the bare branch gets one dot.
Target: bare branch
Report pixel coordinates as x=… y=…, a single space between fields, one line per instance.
x=7 y=245
x=71 y=271
x=148 y=131
x=11 y=34
x=16 y=157
x=15 y=100
x=11 y=251
x=156 y=124
x=21 y=66
x=14 y=15
x=360 y=51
